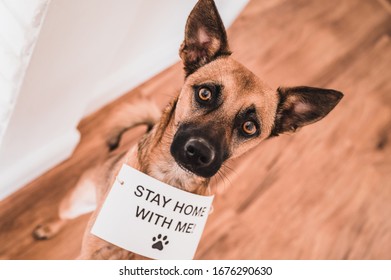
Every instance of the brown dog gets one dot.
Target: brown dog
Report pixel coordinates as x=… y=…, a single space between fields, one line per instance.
x=222 y=111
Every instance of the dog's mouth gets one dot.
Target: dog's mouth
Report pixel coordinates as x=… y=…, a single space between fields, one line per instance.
x=196 y=170
x=187 y=170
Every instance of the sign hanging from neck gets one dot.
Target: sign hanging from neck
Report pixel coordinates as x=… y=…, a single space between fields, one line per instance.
x=151 y=218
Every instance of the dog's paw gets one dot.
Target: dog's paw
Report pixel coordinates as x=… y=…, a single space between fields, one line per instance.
x=47 y=230
x=111 y=253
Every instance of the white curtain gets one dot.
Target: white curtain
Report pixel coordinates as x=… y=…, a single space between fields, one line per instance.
x=20 y=21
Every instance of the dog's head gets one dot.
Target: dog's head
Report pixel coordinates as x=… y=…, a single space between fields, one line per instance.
x=223 y=109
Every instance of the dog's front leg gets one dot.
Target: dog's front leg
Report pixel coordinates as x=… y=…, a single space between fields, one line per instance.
x=95 y=248
x=81 y=200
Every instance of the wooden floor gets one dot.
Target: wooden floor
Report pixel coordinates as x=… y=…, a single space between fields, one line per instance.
x=323 y=193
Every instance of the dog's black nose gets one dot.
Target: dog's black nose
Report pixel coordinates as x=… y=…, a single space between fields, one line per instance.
x=199 y=152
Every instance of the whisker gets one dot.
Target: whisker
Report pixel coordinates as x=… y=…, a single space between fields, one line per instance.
x=225 y=171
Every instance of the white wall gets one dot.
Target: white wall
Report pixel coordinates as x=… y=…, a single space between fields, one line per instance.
x=88 y=53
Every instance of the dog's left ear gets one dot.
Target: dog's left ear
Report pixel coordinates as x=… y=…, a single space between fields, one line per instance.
x=205 y=37
x=300 y=106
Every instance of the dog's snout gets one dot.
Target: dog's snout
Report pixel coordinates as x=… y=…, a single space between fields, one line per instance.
x=199 y=151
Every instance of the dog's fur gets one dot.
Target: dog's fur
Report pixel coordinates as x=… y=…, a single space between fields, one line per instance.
x=222 y=111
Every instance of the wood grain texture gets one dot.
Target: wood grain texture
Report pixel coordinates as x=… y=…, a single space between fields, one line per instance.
x=323 y=193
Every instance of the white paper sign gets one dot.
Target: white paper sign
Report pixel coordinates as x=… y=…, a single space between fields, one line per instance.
x=151 y=218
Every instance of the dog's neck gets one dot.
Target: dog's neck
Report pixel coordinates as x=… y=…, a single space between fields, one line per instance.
x=154 y=157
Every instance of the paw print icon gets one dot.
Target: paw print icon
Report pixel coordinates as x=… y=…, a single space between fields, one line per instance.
x=159 y=242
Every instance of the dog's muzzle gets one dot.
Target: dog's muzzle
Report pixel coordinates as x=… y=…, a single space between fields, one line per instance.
x=198 y=150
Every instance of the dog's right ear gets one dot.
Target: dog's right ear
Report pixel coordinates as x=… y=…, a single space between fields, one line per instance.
x=300 y=106
x=205 y=37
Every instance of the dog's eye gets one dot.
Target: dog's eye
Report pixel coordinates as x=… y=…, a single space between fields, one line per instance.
x=204 y=94
x=249 y=128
